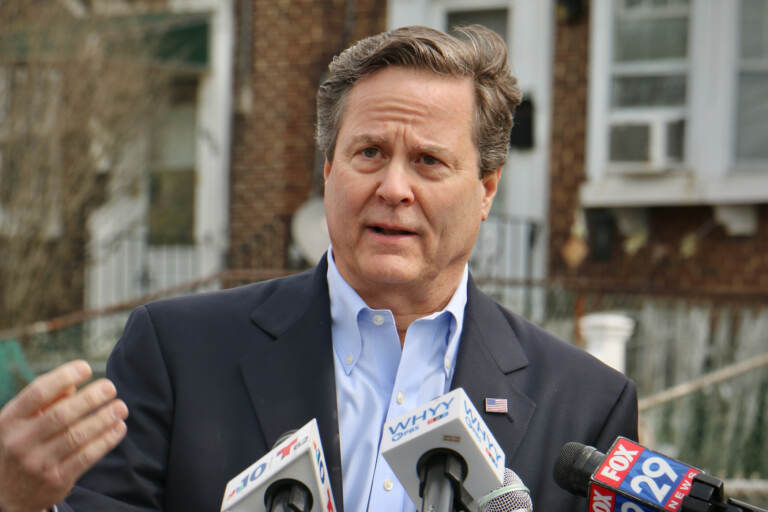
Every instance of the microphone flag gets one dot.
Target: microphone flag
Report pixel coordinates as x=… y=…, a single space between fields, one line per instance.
x=449 y=422
x=646 y=479
x=298 y=457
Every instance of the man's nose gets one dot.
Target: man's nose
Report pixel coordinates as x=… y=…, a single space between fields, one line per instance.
x=395 y=185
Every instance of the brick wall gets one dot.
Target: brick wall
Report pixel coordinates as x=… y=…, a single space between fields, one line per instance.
x=687 y=252
x=273 y=156
x=569 y=124
x=713 y=261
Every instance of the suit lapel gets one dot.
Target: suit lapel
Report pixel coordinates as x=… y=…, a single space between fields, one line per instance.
x=291 y=379
x=490 y=356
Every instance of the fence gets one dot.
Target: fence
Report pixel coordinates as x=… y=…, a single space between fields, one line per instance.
x=701 y=368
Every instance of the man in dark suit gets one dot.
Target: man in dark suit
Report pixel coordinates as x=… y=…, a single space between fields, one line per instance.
x=414 y=125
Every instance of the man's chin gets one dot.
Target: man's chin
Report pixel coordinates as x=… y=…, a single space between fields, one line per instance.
x=389 y=269
x=389 y=276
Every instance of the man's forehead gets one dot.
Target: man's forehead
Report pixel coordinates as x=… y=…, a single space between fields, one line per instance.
x=417 y=77
x=404 y=94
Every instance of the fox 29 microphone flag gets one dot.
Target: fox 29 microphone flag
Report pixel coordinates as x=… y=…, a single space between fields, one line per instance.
x=648 y=481
x=299 y=457
x=632 y=478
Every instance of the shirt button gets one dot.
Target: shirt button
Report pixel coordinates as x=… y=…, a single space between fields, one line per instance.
x=388 y=485
x=400 y=397
x=378 y=319
x=447 y=364
x=350 y=359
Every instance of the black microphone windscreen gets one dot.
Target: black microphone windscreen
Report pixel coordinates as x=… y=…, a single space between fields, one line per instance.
x=575 y=466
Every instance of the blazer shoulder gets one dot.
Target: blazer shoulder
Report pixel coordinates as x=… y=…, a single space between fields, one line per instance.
x=245 y=297
x=580 y=381
x=274 y=306
x=561 y=358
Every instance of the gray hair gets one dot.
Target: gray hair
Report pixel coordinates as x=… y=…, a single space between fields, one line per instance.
x=480 y=54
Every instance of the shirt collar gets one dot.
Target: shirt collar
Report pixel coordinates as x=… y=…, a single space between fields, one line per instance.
x=346 y=306
x=455 y=307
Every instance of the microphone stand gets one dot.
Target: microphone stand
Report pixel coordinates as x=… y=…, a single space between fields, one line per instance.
x=441 y=477
x=708 y=495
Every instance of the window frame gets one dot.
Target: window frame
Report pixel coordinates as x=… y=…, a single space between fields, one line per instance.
x=439 y=10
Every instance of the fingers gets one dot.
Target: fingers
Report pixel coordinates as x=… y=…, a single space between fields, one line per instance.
x=45 y=389
x=80 y=461
x=77 y=436
x=63 y=414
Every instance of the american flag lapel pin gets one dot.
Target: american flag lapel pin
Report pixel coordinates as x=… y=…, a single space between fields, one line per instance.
x=496 y=405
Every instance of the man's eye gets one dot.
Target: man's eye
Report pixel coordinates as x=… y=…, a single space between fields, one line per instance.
x=429 y=160
x=370 y=152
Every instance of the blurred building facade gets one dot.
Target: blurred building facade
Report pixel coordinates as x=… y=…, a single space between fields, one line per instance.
x=174 y=228
x=658 y=208
x=638 y=160
x=637 y=163
x=659 y=159
x=645 y=166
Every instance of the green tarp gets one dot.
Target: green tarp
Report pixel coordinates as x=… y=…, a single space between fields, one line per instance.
x=14 y=371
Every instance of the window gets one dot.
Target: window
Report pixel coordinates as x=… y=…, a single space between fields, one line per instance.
x=494 y=19
x=752 y=94
x=678 y=103
x=648 y=82
x=173 y=176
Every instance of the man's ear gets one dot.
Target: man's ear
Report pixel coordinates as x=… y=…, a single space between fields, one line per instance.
x=490 y=186
x=326 y=169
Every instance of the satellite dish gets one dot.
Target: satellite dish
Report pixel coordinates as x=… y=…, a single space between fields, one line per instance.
x=309 y=229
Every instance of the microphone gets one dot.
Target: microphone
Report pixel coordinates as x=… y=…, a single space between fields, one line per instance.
x=632 y=478
x=443 y=453
x=290 y=477
x=513 y=496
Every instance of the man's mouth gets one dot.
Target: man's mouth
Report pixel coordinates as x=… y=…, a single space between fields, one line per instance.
x=391 y=231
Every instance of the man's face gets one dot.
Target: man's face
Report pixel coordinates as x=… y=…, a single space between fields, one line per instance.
x=403 y=196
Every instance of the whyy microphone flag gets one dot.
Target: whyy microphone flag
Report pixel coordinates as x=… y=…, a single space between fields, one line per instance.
x=449 y=422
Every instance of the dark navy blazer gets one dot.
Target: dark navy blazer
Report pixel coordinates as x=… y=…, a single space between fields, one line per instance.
x=212 y=380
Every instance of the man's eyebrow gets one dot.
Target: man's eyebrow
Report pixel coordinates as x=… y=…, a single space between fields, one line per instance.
x=367 y=138
x=432 y=149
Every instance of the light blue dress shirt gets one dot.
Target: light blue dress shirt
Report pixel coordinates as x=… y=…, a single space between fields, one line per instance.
x=376 y=381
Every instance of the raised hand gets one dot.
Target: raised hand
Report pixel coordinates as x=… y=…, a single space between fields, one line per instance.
x=51 y=433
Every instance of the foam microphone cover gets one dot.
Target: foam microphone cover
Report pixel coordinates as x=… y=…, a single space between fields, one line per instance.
x=512 y=496
x=575 y=465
